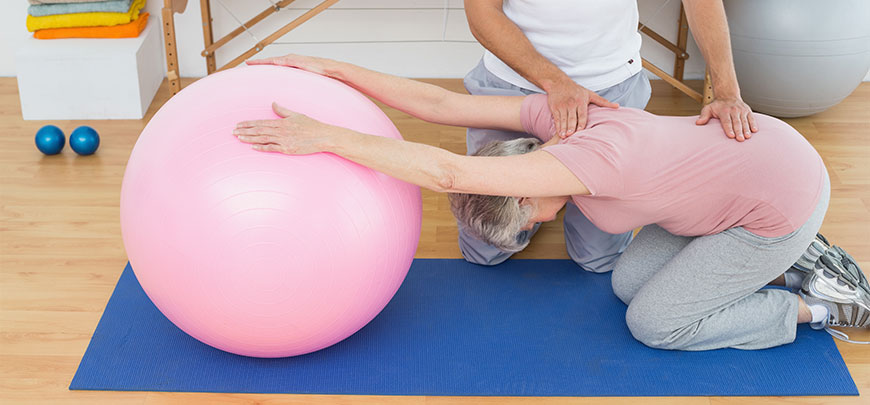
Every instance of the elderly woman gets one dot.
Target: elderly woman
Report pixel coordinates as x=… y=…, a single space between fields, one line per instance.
x=721 y=219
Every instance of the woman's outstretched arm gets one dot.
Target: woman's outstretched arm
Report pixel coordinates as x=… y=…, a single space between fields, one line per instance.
x=535 y=174
x=422 y=100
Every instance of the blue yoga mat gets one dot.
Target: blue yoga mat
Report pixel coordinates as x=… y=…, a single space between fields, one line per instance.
x=523 y=328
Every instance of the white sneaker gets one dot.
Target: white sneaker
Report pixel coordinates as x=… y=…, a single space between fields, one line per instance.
x=837 y=283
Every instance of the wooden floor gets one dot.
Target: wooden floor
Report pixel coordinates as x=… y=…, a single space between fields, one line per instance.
x=61 y=251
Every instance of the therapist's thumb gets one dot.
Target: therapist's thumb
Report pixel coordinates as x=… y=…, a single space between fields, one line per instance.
x=594 y=98
x=706 y=114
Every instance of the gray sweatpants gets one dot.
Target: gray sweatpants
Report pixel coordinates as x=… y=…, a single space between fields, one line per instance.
x=591 y=248
x=701 y=293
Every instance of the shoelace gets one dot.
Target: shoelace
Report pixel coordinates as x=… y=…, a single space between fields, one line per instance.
x=837 y=334
x=843 y=336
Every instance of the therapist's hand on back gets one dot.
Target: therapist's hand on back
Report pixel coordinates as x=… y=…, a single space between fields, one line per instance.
x=734 y=115
x=569 y=103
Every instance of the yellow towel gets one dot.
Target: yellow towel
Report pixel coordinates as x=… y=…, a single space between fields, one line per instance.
x=85 y=19
x=129 y=30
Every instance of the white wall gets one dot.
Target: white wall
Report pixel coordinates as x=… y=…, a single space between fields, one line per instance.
x=376 y=22
x=12 y=30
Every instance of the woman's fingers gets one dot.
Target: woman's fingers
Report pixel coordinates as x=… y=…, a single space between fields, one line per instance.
x=279 y=110
x=258 y=123
x=258 y=139
x=289 y=60
x=265 y=61
x=309 y=63
x=257 y=135
x=269 y=147
x=256 y=131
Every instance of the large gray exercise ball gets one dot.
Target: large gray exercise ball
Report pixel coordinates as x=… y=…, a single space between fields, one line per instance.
x=798 y=57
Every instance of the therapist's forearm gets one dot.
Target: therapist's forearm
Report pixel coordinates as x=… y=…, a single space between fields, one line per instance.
x=497 y=33
x=710 y=30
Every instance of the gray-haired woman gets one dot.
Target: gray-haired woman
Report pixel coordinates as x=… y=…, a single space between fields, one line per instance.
x=721 y=219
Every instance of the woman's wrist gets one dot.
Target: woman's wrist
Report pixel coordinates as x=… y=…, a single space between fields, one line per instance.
x=334 y=69
x=331 y=137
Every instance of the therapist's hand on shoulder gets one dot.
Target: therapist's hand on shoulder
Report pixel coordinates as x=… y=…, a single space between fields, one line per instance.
x=734 y=115
x=569 y=103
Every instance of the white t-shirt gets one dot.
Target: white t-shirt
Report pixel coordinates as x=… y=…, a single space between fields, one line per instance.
x=595 y=42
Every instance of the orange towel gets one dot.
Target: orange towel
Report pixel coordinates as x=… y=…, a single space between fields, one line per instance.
x=129 y=30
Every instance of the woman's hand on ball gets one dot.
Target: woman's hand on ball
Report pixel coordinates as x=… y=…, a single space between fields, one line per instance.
x=293 y=134
x=309 y=63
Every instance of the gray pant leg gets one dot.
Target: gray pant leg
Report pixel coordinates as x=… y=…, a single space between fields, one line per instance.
x=709 y=295
x=591 y=248
x=651 y=249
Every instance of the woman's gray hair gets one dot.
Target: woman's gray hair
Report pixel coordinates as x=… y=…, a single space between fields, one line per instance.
x=495 y=220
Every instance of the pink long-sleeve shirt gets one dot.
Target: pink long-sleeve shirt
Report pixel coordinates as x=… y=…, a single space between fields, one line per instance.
x=691 y=180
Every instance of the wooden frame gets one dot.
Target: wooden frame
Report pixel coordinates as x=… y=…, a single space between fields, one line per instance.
x=680 y=56
x=172 y=6
x=169 y=40
x=211 y=46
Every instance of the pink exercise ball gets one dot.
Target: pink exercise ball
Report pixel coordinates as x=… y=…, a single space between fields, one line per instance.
x=264 y=254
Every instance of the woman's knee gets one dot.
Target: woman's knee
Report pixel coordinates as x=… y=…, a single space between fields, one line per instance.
x=647 y=327
x=623 y=283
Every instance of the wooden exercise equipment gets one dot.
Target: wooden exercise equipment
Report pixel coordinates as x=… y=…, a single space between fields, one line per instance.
x=680 y=56
x=177 y=6
x=211 y=46
x=170 y=7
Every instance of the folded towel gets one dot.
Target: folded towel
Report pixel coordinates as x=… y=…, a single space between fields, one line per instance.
x=112 y=6
x=129 y=30
x=85 y=19
x=58 y=1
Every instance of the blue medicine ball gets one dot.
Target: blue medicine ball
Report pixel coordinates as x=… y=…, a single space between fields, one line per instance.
x=84 y=140
x=50 y=140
